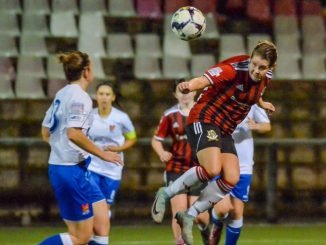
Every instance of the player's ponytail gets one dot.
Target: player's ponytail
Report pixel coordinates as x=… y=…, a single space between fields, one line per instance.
x=74 y=63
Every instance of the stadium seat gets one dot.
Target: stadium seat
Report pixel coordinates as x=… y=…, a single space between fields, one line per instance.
x=93 y=48
x=314 y=45
x=93 y=7
x=313 y=67
x=9 y=24
x=122 y=8
x=98 y=70
x=63 y=24
x=174 y=47
x=148 y=44
x=34 y=24
x=31 y=45
x=285 y=7
x=205 y=6
x=60 y=6
x=287 y=68
x=175 y=67
x=8 y=46
x=30 y=66
x=119 y=46
x=200 y=63
x=54 y=68
x=150 y=9
x=36 y=7
x=54 y=85
x=87 y=22
x=252 y=40
x=313 y=25
x=7 y=69
x=286 y=25
x=311 y=7
x=6 y=91
x=230 y=45
x=29 y=87
x=170 y=6
x=259 y=12
x=167 y=25
x=10 y=7
x=211 y=31
x=147 y=67
x=288 y=45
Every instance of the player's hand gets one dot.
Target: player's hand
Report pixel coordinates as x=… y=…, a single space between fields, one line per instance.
x=269 y=107
x=113 y=157
x=112 y=148
x=184 y=87
x=165 y=156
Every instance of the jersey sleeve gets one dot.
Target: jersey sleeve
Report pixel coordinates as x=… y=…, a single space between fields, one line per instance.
x=128 y=128
x=163 y=129
x=47 y=118
x=79 y=112
x=260 y=115
x=220 y=74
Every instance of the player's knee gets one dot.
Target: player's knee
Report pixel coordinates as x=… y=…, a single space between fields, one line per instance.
x=213 y=171
x=83 y=238
x=232 y=179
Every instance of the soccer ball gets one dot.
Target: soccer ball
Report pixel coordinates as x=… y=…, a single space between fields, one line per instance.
x=188 y=23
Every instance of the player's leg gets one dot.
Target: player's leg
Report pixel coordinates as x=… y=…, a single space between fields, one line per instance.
x=220 y=212
x=215 y=189
x=205 y=141
x=178 y=203
x=71 y=189
x=102 y=214
x=239 y=195
x=202 y=220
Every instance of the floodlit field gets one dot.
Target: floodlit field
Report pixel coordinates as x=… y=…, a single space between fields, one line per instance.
x=161 y=234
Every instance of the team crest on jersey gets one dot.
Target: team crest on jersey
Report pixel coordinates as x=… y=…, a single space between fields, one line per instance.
x=216 y=71
x=85 y=208
x=112 y=127
x=211 y=135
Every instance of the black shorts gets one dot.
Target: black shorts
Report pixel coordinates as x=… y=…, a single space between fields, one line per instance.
x=171 y=177
x=203 y=135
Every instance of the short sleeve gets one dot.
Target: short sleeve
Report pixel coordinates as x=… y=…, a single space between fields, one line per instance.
x=79 y=112
x=260 y=115
x=163 y=129
x=219 y=74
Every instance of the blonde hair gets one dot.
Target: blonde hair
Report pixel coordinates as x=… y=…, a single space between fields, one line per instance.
x=74 y=62
x=267 y=50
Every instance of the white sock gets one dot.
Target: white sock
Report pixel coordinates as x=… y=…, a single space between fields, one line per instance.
x=100 y=239
x=191 y=179
x=210 y=195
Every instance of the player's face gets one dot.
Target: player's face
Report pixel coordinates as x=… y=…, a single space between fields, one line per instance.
x=105 y=96
x=258 y=67
x=184 y=98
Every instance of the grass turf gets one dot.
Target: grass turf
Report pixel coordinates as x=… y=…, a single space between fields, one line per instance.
x=290 y=234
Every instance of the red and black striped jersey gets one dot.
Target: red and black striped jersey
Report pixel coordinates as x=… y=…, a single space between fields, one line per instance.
x=172 y=124
x=229 y=98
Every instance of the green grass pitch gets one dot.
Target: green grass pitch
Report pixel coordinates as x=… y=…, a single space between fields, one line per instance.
x=295 y=234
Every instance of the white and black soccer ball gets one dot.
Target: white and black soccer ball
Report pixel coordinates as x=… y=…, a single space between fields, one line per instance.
x=188 y=23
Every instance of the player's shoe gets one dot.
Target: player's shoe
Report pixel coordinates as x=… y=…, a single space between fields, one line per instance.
x=205 y=233
x=216 y=233
x=158 y=207
x=186 y=222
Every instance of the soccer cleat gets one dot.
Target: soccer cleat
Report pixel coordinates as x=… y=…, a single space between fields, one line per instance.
x=205 y=233
x=215 y=235
x=186 y=222
x=159 y=204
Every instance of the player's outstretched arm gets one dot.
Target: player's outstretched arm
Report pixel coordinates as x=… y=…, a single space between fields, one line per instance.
x=197 y=83
x=269 y=107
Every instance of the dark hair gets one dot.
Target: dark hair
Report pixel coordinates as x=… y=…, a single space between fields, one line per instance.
x=176 y=82
x=267 y=50
x=115 y=90
x=74 y=62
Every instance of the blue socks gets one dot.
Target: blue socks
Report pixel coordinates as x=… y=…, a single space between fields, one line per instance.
x=233 y=230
